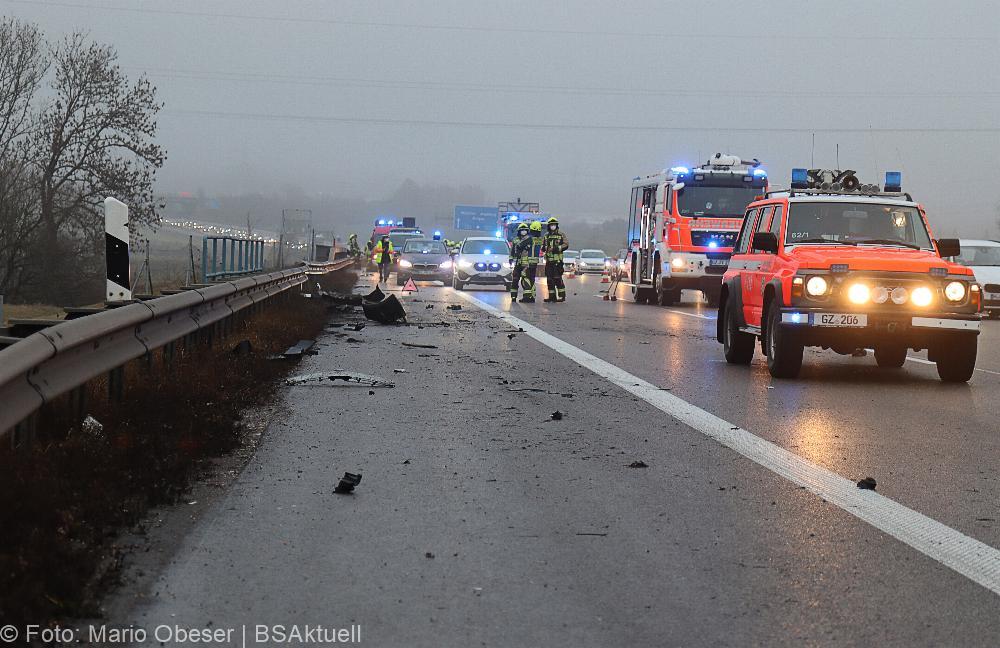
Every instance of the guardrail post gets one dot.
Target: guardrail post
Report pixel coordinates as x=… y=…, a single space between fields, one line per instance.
x=168 y=355
x=116 y=384
x=225 y=248
x=204 y=260
x=78 y=402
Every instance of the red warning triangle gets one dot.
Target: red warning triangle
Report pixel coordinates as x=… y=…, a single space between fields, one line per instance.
x=410 y=286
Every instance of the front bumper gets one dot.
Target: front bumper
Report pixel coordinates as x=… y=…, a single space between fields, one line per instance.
x=912 y=329
x=485 y=278
x=424 y=275
x=596 y=269
x=700 y=271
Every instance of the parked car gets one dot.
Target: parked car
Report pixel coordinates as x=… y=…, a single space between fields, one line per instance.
x=618 y=265
x=592 y=261
x=423 y=260
x=984 y=259
x=569 y=260
x=482 y=260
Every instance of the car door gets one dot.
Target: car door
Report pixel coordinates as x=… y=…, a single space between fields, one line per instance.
x=747 y=263
x=759 y=267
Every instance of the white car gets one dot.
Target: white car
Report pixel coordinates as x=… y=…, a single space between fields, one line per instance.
x=569 y=260
x=482 y=260
x=592 y=261
x=984 y=259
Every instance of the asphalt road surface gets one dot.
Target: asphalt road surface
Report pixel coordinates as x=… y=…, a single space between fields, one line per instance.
x=481 y=521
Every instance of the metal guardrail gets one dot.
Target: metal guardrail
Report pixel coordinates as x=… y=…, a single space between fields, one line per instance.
x=238 y=256
x=56 y=360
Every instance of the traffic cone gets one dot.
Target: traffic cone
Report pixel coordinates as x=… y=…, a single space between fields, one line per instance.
x=605 y=277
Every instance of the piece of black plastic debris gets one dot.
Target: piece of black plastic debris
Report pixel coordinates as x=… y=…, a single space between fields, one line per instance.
x=359 y=326
x=429 y=306
x=428 y=555
x=418 y=346
x=399 y=371
x=455 y=307
x=299 y=348
x=387 y=311
x=867 y=483
x=347 y=483
x=407 y=461
x=371 y=393
x=354 y=339
x=638 y=464
x=510 y=336
x=557 y=415
x=374 y=296
x=243 y=348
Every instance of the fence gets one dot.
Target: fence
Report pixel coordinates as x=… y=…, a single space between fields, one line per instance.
x=238 y=257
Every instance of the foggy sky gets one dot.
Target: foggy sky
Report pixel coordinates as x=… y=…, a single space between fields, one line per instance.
x=573 y=99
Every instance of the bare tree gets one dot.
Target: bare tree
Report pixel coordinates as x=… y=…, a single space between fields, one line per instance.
x=95 y=139
x=23 y=64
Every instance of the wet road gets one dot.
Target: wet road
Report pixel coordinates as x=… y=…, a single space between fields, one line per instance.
x=480 y=521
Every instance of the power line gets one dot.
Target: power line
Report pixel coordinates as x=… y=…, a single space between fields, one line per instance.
x=748 y=35
x=542 y=126
x=221 y=75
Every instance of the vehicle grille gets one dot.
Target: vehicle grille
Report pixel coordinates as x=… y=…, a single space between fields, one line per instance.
x=722 y=238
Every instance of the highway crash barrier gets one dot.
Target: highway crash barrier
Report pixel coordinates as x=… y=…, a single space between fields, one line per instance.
x=52 y=362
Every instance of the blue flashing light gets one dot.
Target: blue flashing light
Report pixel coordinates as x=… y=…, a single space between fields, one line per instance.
x=713 y=244
x=487 y=251
x=381 y=221
x=796 y=318
x=800 y=178
x=680 y=170
x=437 y=232
x=759 y=173
x=893 y=181
x=513 y=217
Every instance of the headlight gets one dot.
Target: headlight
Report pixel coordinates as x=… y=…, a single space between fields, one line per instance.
x=817 y=286
x=677 y=262
x=899 y=295
x=403 y=263
x=955 y=291
x=607 y=264
x=463 y=263
x=921 y=296
x=859 y=293
x=508 y=264
x=445 y=264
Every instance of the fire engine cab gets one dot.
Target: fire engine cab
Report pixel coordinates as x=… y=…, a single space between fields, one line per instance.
x=842 y=265
x=682 y=226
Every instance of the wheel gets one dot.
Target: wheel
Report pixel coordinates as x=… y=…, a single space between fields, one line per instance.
x=784 y=352
x=456 y=284
x=713 y=298
x=890 y=356
x=737 y=345
x=958 y=362
x=665 y=297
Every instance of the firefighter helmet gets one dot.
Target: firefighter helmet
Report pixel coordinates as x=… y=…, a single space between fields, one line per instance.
x=536 y=226
x=553 y=221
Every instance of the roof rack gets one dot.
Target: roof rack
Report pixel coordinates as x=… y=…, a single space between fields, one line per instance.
x=830 y=192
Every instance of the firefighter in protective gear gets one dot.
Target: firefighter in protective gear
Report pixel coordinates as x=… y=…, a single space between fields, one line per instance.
x=520 y=255
x=352 y=247
x=383 y=257
x=555 y=243
x=537 y=241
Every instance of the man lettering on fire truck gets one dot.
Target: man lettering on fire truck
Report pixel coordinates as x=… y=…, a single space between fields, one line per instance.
x=555 y=244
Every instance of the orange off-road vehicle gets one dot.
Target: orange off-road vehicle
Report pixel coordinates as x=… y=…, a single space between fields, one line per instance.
x=845 y=266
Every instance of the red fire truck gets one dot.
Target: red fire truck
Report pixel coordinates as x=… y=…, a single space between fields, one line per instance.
x=683 y=224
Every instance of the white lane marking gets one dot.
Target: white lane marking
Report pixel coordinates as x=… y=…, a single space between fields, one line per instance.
x=698 y=315
x=969 y=557
x=928 y=362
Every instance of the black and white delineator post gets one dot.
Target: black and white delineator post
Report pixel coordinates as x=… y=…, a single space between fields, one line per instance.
x=116 y=246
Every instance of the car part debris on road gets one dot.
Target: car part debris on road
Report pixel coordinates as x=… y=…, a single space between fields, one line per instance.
x=455 y=307
x=638 y=464
x=386 y=311
x=299 y=349
x=347 y=483
x=339 y=379
x=416 y=345
x=557 y=415
x=868 y=483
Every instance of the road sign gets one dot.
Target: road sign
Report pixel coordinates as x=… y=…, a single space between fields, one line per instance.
x=475 y=217
x=410 y=286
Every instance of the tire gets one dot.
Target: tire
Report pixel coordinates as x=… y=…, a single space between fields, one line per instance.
x=456 y=284
x=665 y=297
x=784 y=353
x=890 y=356
x=737 y=346
x=959 y=362
x=713 y=299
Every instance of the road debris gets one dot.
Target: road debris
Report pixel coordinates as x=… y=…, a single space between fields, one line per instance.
x=557 y=415
x=417 y=345
x=638 y=464
x=374 y=296
x=868 y=483
x=600 y=535
x=386 y=311
x=339 y=379
x=347 y=483
x=428 y=555
x=92 y=427
x=429 y=306
x=399 y=371
x=454 y=307
x=510 y=336
x=406 y=462
x=299 y=348
x=359 y=326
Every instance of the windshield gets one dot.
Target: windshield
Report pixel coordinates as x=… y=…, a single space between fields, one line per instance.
x=425 y=247
x=593 y=254
x=722 y=202
x=855 y=223
x=979 y=255
x=398 y=240
x=571 y=253
x=485 y=247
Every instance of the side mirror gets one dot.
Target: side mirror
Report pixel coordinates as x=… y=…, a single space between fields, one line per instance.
x=949 y=247
x=765 y=242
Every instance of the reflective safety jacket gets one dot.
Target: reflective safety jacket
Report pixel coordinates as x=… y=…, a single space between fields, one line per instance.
x=383 y=254
x=554 y=246
x=536 y=249
x=520 y=251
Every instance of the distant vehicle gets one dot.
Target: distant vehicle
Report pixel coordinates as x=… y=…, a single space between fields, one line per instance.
x=423 y=259
x=846 y=268
x=984 y=259
x=618 y=263
x=593 y=261
x=482 y=260
x=399 y=236
x=569 y=260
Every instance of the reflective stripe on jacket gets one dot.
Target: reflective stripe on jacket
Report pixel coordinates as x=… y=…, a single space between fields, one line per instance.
x=555 y=244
